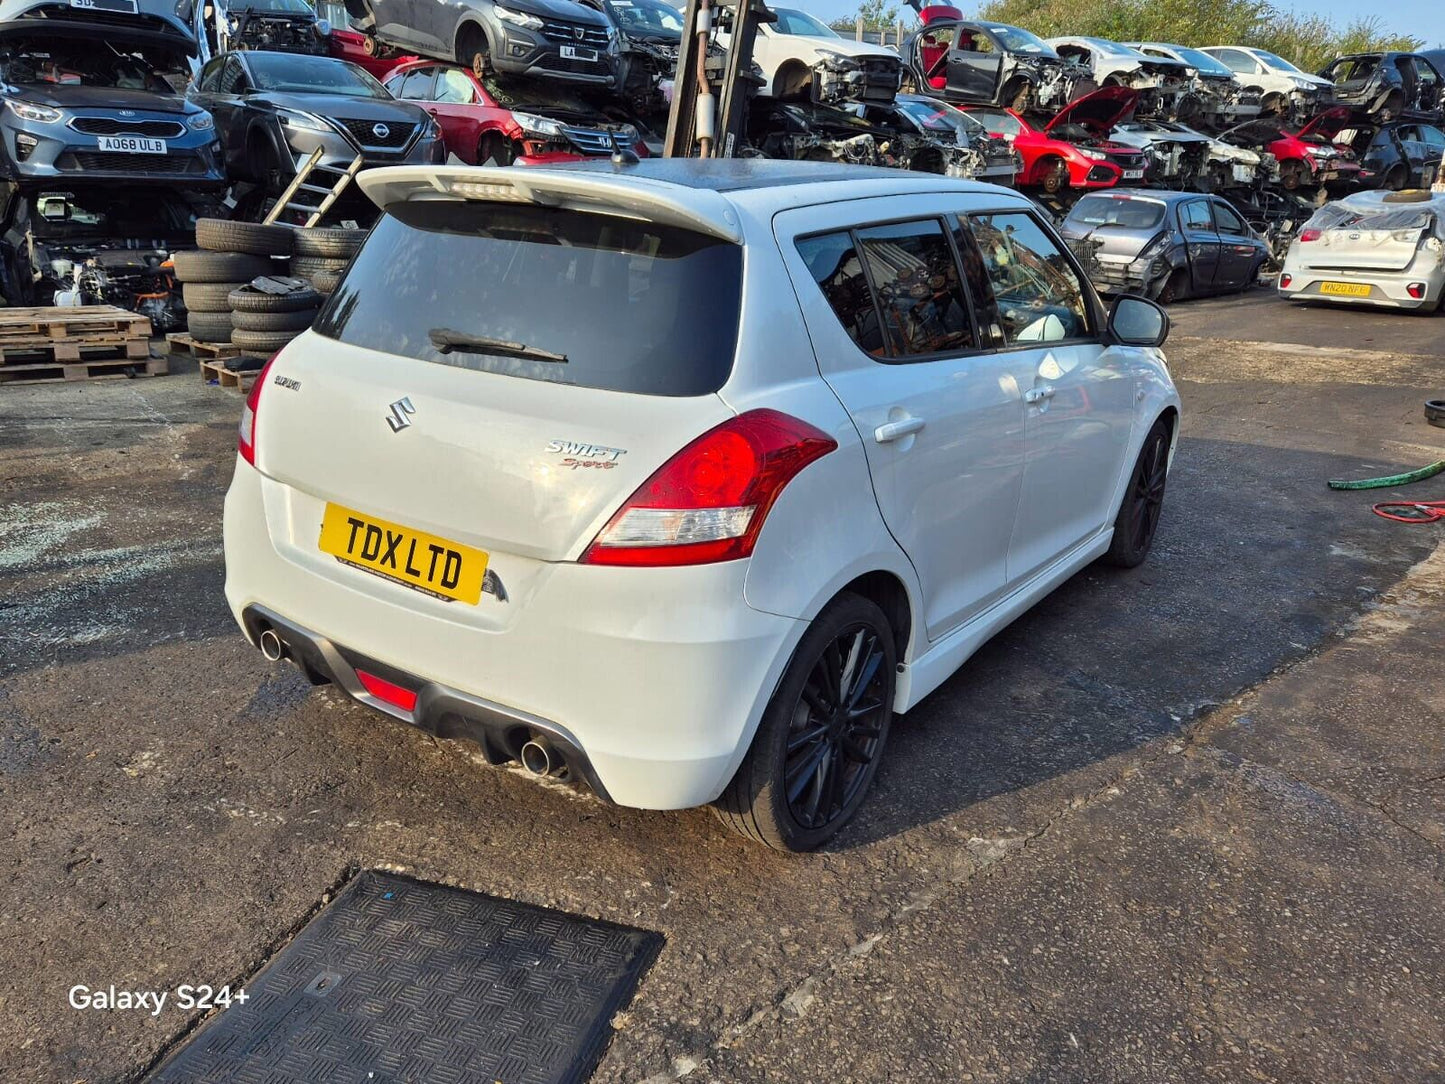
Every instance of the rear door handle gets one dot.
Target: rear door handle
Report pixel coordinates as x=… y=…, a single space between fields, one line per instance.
x=890 y=431
x=1039 y=394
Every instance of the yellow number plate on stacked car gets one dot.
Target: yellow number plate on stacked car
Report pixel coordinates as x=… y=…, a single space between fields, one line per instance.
x=1346 y=289
x=435 y=565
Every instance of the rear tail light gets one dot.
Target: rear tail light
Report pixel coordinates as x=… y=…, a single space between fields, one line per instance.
x=1285 y=280
x=708 y=502
x=246 y=440
x=1306 y=236
x=1416 y=290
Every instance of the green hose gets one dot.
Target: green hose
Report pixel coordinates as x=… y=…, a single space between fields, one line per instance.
x=1393 y=479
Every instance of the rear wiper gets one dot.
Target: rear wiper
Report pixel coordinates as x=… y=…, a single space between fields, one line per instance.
x=446 y=340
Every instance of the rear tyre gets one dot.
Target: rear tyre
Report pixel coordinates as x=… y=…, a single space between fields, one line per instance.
x=1176 y=288
x=822 y=735
x=258 y=239
x=209 y=327
x=1396 y=179
x=1138 y=516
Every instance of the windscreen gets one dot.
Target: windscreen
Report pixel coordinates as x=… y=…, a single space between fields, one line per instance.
x=646 y=18
x=1203 y=62
x=1103 y=212
x=1020 y=41
x=311 y=75
x=541 y=293
x=791 y=21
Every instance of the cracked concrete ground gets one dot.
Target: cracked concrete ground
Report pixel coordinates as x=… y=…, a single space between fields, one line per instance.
x=1182 y=823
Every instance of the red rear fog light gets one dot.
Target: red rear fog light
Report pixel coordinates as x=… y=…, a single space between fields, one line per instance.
x=1416 y=290
x=389 y=691
x=1285 y=280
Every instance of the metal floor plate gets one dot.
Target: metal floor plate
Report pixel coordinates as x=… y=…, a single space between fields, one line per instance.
x=402 y=982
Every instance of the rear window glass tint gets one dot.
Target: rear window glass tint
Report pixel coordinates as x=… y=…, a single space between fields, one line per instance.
x=633 y=306
x=833 y=261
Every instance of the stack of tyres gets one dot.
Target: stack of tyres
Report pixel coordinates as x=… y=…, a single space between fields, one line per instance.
x=269 y=313
x=322 y=254
x=230 y=255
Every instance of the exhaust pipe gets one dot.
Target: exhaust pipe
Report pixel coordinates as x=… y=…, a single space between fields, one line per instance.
x=271 y=645
x=538 y=758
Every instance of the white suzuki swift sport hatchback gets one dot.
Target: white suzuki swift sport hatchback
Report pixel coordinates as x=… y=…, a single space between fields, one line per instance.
x=680 y=478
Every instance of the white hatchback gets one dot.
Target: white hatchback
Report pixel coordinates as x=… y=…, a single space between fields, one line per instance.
x=680 y=478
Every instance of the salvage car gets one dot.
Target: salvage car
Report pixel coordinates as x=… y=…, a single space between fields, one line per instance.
x=1383 y=87
x=1396 y=156
x=987 y=63
x=707 y=512
x=1178 y=155
x=555 y=39
x=103 y=244
x=1164 y=245
x=1283 y=89
x=1383 y=249
x=73 y=110
x=273 y=110
x=540 y=122
x=649 y=36
x=803 y=57
x=1072 y=150
x=999 y=162
x=814 y=132
x=1307 y=159
x=1222 y=99
x=290 y=26
x=1165 y=86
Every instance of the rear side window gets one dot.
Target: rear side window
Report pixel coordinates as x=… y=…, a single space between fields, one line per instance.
x=515 y=289
x=900 y=278
x=1039 y=296
x=1124 y=212
x=1195 y=216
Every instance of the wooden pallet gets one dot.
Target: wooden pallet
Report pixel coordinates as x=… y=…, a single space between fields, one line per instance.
x=95 y=369
x=88 y=323
x=62 y=351
x=181 y=342
x=227 y=378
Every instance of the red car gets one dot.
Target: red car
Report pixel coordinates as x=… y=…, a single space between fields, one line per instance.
x=349 y=45
x=528 y=122
x=1072 y=150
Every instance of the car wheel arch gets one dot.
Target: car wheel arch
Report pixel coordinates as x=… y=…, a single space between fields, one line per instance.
x=469 y=27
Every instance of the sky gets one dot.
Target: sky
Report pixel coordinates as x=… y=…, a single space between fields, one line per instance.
x=1423 y=18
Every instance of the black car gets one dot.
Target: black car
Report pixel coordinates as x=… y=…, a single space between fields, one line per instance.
x=997 y=161
x=1396 y=156
x=988 y=63
x=817 y=132
x=1388 y=86
x=1164 y=245
x=649 y=35
x=273 y=110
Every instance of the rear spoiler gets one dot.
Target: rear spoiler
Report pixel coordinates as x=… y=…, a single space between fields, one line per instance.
x=629 y=196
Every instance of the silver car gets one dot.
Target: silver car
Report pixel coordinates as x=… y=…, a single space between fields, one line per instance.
x=1371 y=248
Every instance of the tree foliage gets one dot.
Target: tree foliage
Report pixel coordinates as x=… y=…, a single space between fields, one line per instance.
x=876 y=15
x=1310 y=41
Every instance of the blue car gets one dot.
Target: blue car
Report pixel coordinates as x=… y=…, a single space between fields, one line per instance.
x=76 y=109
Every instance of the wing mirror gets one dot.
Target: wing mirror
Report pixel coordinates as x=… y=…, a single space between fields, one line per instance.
x=1137 y=321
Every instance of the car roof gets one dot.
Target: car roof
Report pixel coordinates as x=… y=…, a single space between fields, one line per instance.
x=1159 y=195
x=699 y=194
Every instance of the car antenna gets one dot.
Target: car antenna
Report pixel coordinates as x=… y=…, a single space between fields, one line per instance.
x=622 y=156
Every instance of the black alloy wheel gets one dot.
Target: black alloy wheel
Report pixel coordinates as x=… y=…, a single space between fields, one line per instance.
x=1143 y=501
x=822 y=735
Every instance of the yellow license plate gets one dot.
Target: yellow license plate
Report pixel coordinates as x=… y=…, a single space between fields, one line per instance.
x=435 y=565
x=1345 y=289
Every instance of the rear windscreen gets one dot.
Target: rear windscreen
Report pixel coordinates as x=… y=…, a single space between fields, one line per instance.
x=1106 y=211
x=544 y=294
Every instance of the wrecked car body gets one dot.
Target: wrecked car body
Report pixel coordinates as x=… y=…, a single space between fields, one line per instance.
x=1306 y=160
x=1384 y=87
x=988 y=63
x=99 y=245
x=1165 y=86
x=1220 y=100
x=649 y=36
x=1283 y=90
x=812 y=132
x=1166 y=246
x=1382 y=249
x=1067 y=154
x=1178 y=156
x=286 y=26
x=1396 y=156
x=998 y=161
x=801 y=57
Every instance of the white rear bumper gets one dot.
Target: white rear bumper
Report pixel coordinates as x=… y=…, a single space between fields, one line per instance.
x=658 y=675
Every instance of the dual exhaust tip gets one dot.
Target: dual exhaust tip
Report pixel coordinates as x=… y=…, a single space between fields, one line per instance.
x=537 y=755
